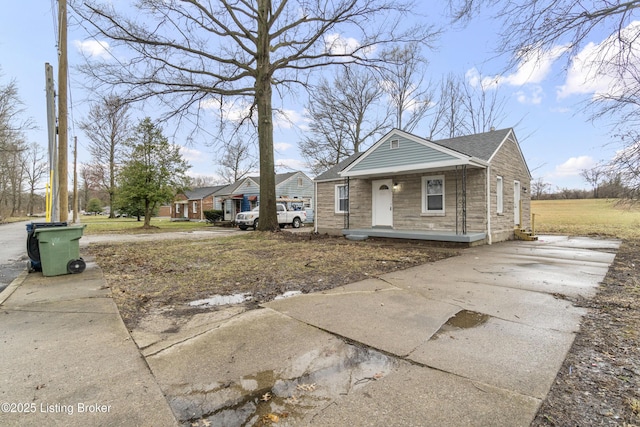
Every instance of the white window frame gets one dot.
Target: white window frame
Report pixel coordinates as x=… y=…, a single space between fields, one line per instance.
x=177 y=208
x=499 y=195
x=394 y=144
x=425 y=210
x=194 y=207
x=300 y=182
x=337 y=198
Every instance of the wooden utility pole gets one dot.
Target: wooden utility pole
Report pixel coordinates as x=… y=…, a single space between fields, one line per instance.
x=63 y=66
x=52 y=184
x=75 y=179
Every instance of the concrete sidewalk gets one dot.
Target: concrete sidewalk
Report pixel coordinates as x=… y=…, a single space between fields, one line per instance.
x=474 y=340
x=68 y=360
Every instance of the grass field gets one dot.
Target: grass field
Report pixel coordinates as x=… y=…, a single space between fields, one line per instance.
x=101 y=224
x=586 y=217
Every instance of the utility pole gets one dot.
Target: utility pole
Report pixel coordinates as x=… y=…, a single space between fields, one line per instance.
x=63 y=65
x=75 y=179
x=52 y=184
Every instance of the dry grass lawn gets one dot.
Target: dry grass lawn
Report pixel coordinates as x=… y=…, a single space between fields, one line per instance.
x=262 y=264
x=587 y=217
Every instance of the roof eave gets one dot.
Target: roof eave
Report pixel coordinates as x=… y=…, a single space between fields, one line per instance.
x=417 y=168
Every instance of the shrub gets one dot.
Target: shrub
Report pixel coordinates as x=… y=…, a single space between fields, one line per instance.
x=213 y=215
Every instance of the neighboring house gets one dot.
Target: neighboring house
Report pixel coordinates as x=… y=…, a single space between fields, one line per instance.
x=292 y=187
x=472 y=189
x=190 y=205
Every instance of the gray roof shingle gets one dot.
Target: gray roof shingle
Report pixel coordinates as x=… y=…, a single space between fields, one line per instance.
x=479 y=145
x=333 y=173
x=202 y=192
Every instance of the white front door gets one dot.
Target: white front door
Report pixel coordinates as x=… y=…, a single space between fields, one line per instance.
x=516 y=203
x=382 y=203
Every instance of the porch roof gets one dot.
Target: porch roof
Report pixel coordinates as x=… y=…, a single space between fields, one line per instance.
x=438 y=236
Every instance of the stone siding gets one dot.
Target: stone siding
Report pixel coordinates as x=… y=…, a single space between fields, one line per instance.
x=508 y=164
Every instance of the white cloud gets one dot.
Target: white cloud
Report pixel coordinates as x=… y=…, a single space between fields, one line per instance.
x=530 y=96
x=573 y=166
x=93 y=48
x=337 y=45
x=282 y=146
x=231 y=109
x=587 y=74
x=192 y=155
x=533 y=68
x=290 y=165
x=286 y=119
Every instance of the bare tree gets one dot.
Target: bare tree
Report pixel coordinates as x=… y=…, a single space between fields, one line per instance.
x=594 y=177
x=403 y=81
x=483 y=106
x=13 y=124
x=188 y=52
x=532 y=29
x=342 y=117
x=448 y=117
x=463 y=107
x=237 y=161
x=626 y=164
x=108 y=127
x=36 y=170
x=539 y=188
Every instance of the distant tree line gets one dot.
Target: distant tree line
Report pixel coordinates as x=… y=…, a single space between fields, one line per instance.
x=611 y=186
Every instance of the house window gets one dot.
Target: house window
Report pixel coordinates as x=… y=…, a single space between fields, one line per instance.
x=300 y=182
x=177 y=208
x=433 y=194
x=500 y=195
x=395 y=143
x=342 y=198
x=195 y=207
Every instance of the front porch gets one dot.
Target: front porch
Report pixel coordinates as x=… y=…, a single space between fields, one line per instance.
x=438 y=236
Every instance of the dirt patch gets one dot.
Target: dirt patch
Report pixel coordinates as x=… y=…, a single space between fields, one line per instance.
x=599 y=382
x=146 y=275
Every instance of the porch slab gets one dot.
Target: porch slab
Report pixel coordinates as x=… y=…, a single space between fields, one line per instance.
x=439 y=236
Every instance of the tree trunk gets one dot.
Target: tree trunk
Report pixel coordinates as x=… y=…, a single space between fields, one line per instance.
x=268 y=217
x=147 y=214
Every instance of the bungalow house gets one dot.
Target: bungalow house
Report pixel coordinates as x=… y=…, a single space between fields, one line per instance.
x=472 y=189
x=244 y=195
x=190 y=205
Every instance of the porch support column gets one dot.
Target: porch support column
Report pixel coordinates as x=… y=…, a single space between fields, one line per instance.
x=346 y=214
x=464 y=199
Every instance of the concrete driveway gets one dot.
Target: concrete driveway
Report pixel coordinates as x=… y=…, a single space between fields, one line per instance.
x=472 y=340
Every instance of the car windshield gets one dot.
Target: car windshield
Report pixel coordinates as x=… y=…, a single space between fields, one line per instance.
x=256 y=209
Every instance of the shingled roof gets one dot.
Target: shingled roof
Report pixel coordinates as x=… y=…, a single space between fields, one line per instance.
x=479 y=145
x=202 y=192
x=334 y=172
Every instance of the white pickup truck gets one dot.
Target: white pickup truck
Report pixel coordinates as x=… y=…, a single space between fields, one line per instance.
x=285 y=217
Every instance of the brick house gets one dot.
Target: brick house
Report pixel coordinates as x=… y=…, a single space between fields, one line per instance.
x=190 y=205
x=472 y=189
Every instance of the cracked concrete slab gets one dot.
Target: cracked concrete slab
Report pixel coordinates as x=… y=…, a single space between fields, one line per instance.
x=507 y=355
x=391 y=320
x=540 y=310
x=414 y=395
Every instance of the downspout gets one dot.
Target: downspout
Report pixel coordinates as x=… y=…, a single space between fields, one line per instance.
x=315 y=207
x=488 y=204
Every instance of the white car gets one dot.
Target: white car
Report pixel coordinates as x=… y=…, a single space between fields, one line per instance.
x=285 y=217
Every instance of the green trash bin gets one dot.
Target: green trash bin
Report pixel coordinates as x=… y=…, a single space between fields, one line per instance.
x=60 y=250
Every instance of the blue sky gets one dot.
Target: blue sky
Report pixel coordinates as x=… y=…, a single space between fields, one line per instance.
x=542 y=102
